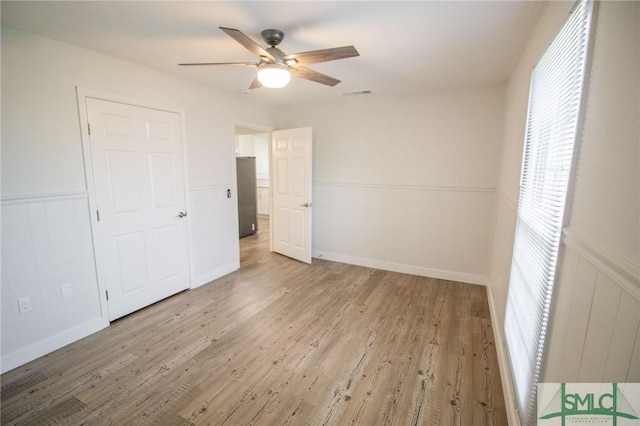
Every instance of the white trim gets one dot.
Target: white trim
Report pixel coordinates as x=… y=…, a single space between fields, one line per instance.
x=508 y=201
x=83 y=93
x=81 y=96
x=38 y=198
x=431 y=188
x=259 y=128
x=221 y=271
x=50 y=344
x=510 y=402
x=405 y=269
x=622 y=271
x=182 y=116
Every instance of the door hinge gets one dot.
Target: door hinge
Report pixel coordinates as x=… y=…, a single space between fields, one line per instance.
x=89 y=128
x=98 y=215
x=107 y=293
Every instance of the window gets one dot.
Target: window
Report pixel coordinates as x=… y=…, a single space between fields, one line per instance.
x=555 y=94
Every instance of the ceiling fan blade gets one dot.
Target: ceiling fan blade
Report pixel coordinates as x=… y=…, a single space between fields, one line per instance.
x=249 y=44
x=246 y=64
x=307 y=74
x=324 y=55
x=255 y=84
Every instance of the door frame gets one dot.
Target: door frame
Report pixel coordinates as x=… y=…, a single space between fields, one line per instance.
x=259 y=128
x=81 y=95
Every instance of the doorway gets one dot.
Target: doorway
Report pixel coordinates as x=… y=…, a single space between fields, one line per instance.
x=252 y=145
x=289 y=190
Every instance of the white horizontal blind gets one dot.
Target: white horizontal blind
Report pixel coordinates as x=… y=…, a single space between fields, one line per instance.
x=554 y=105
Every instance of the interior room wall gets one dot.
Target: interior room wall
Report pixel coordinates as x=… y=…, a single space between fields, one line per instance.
x=406 y=184
x=45 y=216
x=594 y=334
x=261 y=151
x=255 y=145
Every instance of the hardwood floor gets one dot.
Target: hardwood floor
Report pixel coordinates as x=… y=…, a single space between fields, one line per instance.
x=278 y=342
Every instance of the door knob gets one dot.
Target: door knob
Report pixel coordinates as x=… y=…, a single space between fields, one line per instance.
x=305 y=205
x=182 y=214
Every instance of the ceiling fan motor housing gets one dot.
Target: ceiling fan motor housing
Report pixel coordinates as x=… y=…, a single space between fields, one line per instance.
x=277 y=54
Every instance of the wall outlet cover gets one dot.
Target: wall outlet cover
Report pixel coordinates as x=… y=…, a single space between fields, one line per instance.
x=24 y=304
x=66 y=291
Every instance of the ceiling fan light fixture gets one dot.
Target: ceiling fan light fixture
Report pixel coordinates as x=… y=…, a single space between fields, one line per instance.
x=274 y=75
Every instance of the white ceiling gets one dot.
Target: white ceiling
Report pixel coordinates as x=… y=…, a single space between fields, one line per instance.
x=405 y=47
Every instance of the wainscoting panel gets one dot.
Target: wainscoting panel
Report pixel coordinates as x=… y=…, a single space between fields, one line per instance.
x=595 y=324
x=442 y=232
x=47 y=258
x=215 y=247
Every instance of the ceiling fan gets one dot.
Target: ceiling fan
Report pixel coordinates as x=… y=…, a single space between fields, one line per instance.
x=275 y=68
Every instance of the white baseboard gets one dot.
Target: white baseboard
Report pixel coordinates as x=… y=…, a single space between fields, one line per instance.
x=405 y=269
x=50 y=344
x=511 y=406
x=206 y=278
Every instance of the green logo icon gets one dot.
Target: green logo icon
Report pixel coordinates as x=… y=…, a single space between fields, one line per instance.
x=587 y=404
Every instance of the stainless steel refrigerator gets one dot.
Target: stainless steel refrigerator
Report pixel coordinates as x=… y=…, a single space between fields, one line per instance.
x=247 y=200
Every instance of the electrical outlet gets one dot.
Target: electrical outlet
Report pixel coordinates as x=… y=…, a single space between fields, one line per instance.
x=24 y=304
x=66 y=291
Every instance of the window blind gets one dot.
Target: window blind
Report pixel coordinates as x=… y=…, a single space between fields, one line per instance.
x=555 y=93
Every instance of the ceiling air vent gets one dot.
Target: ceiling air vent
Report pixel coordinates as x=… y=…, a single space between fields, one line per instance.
x=359 y=93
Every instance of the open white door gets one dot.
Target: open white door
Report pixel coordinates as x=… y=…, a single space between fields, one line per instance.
x=291 y=188
x=137 y=164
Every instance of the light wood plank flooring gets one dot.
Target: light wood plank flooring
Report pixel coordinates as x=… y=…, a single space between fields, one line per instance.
x=278 y=343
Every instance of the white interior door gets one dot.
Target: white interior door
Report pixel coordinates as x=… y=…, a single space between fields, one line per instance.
x=138 y=173
x=291 y=188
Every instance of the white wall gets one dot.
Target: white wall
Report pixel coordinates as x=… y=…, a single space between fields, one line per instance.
x=256 y=145
x=261 y=151
x=406 y=184
x=46 y=243
x=43 y=183
x=594 y=329
x=595 y=333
